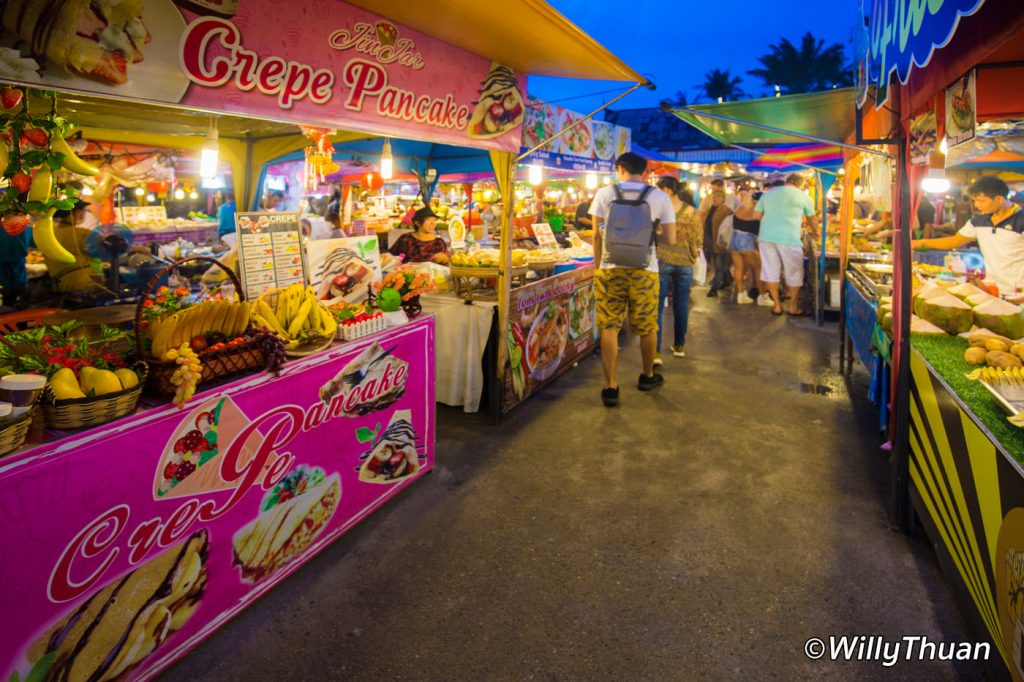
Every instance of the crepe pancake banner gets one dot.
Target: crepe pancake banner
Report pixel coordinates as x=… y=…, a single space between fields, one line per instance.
x=131 y=542
x=326 y=62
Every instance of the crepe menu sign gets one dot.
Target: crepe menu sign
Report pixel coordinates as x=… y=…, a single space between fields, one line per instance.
x=325 y=62
x=135 y=559
x=269 y=251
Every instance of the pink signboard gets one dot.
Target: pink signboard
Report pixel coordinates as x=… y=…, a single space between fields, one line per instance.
x=322 y=62
x=126 y=545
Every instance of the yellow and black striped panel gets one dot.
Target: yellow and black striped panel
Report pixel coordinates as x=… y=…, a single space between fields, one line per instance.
x=963 y=481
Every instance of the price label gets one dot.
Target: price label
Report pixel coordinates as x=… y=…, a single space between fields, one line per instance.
x=545 y=237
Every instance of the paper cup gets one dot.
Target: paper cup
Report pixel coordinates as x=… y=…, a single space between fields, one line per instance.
x=21 y=391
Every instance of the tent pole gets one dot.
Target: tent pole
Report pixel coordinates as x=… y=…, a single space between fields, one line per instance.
x=770 y=129
x=247 y=184
x=822 y=259
x=899 y=507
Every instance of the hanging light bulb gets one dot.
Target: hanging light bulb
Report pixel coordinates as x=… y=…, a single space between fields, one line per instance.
x=210 y=155
x=150 y=197
x=139 y=191
x=179 y=194
x=536 y=174
x=387 y=162
x=193 y=194
x=936 y=181
x=87 y=191
x=693 y=186
x=591 y=180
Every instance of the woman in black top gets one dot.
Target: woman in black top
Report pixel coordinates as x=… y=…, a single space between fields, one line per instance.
x=743 y=248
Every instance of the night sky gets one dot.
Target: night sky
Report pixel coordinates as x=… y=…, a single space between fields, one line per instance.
x=675 y=44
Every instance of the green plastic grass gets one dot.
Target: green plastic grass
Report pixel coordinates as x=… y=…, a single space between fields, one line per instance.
x=946 y=355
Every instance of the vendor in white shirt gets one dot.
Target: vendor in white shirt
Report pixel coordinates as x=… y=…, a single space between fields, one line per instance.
x=998 y=227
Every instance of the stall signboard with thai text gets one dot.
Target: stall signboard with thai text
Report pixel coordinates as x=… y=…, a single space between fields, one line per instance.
x=585 y=146
x=328 y=63
x=902 y=35
x=550 y=327
x=129 y=543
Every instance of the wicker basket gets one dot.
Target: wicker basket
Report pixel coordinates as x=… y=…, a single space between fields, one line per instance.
x=475 y=283
x=78 y=413
x=13 y=432
x=308 y=348
x=217 y=365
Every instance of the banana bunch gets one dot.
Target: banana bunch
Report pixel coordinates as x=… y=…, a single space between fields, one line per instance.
x=230 y=318
x=1013 y=376
x=298 y=317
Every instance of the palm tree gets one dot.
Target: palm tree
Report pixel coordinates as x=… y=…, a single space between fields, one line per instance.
x=721 y=85
x=811 y=67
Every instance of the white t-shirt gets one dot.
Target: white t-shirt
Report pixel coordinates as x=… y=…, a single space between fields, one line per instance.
x=1001 y=246
x=661 y=210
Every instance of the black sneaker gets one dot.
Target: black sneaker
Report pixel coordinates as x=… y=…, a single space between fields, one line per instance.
x=646 y=383
x=753 y=293
x=712 y=292
x=610 y=396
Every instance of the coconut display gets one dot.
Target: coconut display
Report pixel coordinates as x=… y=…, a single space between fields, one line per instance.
x=928 y=292
x=963 y=291
x=979 y=298
x=1001 y=317
x=919 y=326
x=946 y=312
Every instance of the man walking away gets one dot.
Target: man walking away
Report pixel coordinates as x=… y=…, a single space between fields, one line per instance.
x=782 y=211
x=628 y=216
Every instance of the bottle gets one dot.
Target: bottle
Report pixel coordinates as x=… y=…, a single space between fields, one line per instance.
x=959 y=268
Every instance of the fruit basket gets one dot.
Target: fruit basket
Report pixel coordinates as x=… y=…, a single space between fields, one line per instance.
x=217 y=364
x=78 y=413
x=13 y=432
x=313 y=345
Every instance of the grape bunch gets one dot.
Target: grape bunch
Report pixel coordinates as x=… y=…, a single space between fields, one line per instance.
x=273 y=349
x=187 y=374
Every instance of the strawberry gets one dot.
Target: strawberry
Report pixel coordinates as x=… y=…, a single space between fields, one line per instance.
x=21 y=182
x=112 y=68
x=38 y=137
x=15 y=223
x=10 y=98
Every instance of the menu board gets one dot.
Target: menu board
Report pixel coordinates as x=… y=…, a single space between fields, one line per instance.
x=269 y=251
x=545 y=237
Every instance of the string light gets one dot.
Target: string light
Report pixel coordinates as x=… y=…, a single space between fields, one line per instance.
x=139 y=191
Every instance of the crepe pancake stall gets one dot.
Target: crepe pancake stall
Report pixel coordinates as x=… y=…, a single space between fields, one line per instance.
x=293 y=514
x=98 y=39
x=369 y=367
x=394 y=456
x=125 y=621
x=500 y=108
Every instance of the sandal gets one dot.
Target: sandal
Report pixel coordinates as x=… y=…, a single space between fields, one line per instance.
x=799 y=313
x=776 y=312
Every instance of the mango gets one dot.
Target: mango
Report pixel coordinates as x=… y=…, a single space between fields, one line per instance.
x=975 y=356
x=999 y=359
x=100 y=382
x=128 y=377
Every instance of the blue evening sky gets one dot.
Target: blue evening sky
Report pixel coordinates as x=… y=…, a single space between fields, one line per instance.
x=676 y=43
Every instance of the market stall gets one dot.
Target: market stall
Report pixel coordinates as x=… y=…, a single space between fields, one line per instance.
x=957 y=450
x=162 y=479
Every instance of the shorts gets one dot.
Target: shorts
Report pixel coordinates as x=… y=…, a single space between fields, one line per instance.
x=779 y=258
x=627 y=290
x=743 y=241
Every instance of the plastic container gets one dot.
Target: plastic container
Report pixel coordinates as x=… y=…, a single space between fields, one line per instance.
x=565 y=267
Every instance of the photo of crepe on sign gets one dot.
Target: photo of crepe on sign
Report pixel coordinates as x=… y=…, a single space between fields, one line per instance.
x=123 y=623
x=118 y=47
x=372 y=375
x=394 y=456
x=291 y=517
x=343 y=269
x=500 y=107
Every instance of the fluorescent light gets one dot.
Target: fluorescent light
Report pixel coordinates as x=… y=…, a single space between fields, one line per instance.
x=179 y=194
x=536 y=174
x=591 y=180
x=209 y=156
x=387 y=162
x=936 y=182
x=214 y=183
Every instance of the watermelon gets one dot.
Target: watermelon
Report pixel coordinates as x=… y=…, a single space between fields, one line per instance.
x=947 y=312
x=1001 y=317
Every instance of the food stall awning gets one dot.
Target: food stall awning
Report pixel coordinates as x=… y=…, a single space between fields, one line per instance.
x=827 y=115
x=529 y=36
x=796 y=157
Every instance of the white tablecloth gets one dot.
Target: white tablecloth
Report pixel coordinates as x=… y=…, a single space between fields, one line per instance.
x=461 y=332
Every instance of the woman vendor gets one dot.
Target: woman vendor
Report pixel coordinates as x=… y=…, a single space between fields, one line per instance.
x=423 y=244
x=998 y=227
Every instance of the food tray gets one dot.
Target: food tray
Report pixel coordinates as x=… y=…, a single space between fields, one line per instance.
x=1009 y=396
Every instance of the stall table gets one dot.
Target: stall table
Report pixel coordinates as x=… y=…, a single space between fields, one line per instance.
x=463 y=329
x=148 y=533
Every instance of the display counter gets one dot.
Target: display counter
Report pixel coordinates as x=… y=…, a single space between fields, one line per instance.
x=131 y=542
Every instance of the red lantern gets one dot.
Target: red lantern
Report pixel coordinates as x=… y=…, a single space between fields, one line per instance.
x=372 y=181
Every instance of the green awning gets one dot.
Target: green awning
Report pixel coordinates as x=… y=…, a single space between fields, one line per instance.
x=828 y=115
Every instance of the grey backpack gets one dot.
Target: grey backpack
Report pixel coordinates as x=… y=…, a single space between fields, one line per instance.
x=629 y=230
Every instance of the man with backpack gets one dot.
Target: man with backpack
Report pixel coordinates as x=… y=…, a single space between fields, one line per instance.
x=629 y=216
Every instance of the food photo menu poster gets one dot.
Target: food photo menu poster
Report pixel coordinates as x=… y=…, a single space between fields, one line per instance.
x=269 y=251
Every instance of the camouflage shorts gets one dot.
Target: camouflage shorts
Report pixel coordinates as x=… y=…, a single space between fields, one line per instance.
x=622 y=291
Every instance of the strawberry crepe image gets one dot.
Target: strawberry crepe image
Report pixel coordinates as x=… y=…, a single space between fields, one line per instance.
x=394 y=456
x=292 y=515
x=500 y=108
x=367 y=373
x=124 y=622
x=191 y=461
x=98 y=39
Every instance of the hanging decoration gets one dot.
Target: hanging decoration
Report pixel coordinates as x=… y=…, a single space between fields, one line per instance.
x=319 y=157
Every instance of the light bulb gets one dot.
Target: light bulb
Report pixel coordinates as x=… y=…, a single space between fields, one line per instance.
x=936 y=182
x=208 y=157
x=151 y=197
x=944 y=145
x=139 y=191
x=387 y=162
x=179 y=194
x=693 y=186
x=193 y=194
x=536 y=174
x=87 y=191
x=591 y=180
x=607 y=181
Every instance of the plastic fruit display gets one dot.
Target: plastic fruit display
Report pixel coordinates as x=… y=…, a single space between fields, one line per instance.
x=297 y=317
x=389 y=300
x=91 y=382
x=228 y=318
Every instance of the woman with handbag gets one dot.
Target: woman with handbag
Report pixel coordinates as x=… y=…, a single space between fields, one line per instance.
x=675 y=265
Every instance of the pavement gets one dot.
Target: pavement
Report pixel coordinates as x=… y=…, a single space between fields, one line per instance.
x=704 y=530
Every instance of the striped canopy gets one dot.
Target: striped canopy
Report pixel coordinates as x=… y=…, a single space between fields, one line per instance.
x=797 y=157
